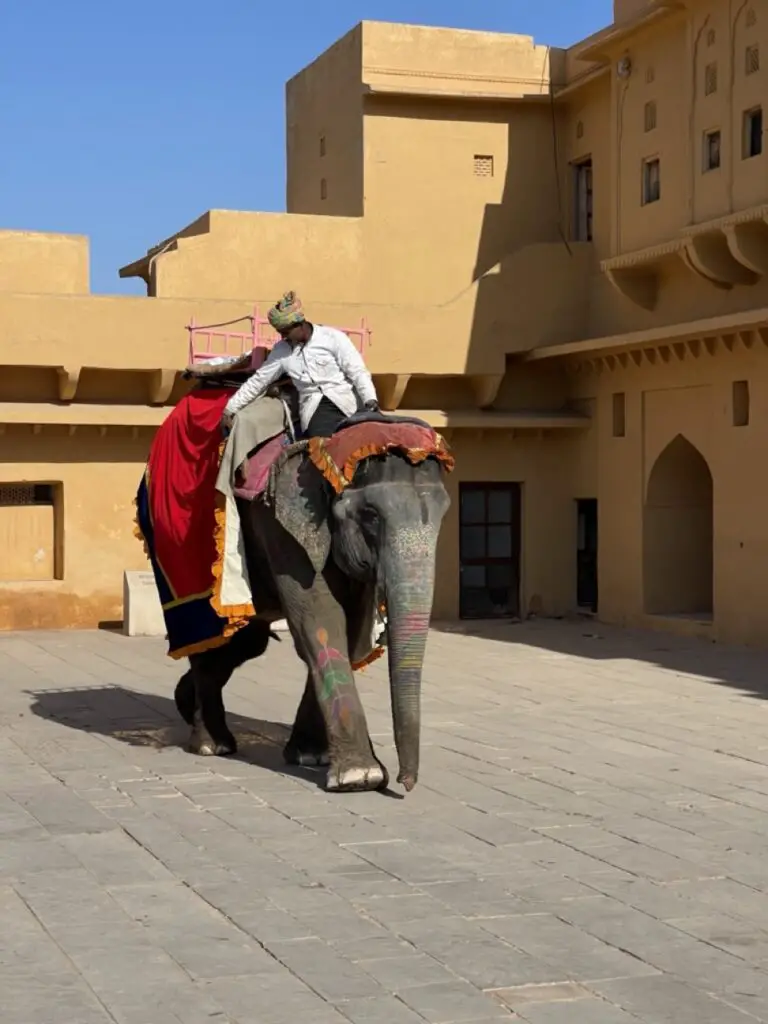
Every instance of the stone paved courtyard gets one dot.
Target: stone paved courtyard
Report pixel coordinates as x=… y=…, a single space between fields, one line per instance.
x=588 y=841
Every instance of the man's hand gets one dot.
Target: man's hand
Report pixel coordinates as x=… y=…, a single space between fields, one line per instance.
x=226 y=423
x=372 y=406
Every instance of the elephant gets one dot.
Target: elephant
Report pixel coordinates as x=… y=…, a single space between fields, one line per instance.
x=322 y=560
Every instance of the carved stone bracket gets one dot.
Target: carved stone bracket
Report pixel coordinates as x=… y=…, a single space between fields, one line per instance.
x=710 y=257
x=748 y=244
x=68 y=378
x=161 y=384
x=726 y=252
x=485 y=388
x=639 y=285
x=390 y=388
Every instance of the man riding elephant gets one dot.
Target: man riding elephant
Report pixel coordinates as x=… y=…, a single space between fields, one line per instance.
x=327 y=370
x=349 y=516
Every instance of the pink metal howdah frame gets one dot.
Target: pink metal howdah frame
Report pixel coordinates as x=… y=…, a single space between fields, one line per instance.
x=207 y=341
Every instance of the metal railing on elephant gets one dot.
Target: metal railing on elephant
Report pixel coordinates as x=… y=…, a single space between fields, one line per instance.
x=209 y=341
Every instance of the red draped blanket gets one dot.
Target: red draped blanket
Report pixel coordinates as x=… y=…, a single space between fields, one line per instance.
x=177 y=511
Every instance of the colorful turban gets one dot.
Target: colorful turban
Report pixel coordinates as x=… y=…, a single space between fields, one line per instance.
x=286 y=313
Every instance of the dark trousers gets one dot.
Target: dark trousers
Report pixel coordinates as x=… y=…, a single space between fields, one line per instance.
x=325 y=419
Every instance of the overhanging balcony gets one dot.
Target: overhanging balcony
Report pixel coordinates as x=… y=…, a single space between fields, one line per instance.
x=730 y=251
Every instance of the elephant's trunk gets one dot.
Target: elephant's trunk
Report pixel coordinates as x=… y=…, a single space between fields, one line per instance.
x=409 y=582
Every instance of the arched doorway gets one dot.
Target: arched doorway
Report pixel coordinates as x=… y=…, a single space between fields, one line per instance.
x=677 y=533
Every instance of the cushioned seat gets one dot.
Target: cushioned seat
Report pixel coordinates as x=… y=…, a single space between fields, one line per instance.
x=255 y=469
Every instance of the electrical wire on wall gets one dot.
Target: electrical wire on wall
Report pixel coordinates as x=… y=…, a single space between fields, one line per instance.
x=733 y=27
x=619 y=140
x=693 y=176
x=556 y=157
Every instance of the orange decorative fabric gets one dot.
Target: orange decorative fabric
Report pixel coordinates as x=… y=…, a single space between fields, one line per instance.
x=337 y=457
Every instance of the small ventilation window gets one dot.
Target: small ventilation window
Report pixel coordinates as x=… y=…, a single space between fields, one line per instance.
x=710 y=78
x=323 y=188
x=711 y=37
x=579 y=129
x=650 y=75
x=650 y=116
x=751 y=18
x=483 y=166
x=752 y=60
x=651 y=181
x=322 y=145
x=619 y=414
x=25 y=494
x=740 y=403
x=753 y=133
x=711 y=150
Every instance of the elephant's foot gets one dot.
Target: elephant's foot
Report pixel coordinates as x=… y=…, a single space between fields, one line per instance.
x=204 y=745
x=293 y=754
x=356 y=780
x=184 y=695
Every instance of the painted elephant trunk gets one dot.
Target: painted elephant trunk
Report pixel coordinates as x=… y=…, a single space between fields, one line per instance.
x=409 y=580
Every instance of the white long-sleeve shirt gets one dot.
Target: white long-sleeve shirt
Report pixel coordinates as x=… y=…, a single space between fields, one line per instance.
x=328 y=365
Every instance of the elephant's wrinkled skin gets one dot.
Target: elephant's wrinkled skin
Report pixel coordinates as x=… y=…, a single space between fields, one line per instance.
x=321 y=559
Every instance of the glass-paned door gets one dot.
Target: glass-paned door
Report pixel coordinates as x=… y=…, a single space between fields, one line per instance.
x=489 y=550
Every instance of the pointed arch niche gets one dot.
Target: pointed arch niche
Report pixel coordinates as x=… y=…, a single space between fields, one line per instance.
x=678 y=534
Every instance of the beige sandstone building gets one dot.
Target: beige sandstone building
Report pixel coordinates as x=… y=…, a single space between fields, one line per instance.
x=559 y=258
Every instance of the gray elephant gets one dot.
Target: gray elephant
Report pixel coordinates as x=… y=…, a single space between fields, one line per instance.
x=322 y=559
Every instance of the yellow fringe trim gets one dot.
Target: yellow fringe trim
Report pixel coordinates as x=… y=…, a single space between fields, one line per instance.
x=199 y=648
x=237 y=615
x=339 y=478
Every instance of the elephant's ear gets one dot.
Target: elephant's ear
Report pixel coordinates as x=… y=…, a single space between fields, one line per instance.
x=302 y=503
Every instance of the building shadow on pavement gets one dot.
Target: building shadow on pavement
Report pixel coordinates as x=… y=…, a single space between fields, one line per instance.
x=741 y=668
x=148 y=720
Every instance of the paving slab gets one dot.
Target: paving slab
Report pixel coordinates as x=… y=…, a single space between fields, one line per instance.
x=586 y=841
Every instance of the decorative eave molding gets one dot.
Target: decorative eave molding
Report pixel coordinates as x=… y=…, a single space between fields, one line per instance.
x=659 y=354
x=726 y=252
x=670 y=334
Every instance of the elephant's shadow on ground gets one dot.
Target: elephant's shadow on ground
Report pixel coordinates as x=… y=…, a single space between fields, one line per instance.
x=149 y=720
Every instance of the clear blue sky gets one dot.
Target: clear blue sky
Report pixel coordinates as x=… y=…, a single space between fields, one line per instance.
x=125 y=121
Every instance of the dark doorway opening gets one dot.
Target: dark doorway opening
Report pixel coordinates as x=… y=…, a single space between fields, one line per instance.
x=586 y=554
x=489 y=551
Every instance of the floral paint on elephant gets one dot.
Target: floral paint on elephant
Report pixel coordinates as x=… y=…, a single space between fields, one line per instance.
x=334 y=669
x=410 y=651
